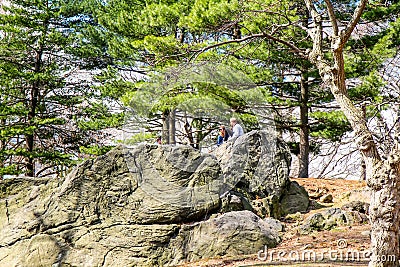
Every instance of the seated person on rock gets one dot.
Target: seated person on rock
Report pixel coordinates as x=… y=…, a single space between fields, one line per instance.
x=236 y=129
x=221 y=135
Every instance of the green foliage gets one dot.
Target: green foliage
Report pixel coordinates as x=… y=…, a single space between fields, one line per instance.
x=139 y=50
x=378 y=10
x=139 y=137
x=10 y=170
x=369 y=89
x=204 y=103
x=250 y=121
x=331 y=125
x=158 y=35
x=207 y=14
x=45 y=98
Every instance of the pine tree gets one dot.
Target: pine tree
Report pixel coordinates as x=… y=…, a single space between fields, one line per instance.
x=47 y=108
x=147 y=35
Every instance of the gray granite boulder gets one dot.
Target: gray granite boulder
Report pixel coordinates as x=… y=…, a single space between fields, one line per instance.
x=326 y=220
x=256 y=165
x=143 y=206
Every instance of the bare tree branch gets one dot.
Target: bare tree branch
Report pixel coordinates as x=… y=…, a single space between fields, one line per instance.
x=317 y=34
x=354 y=21
x=332 y=17
x=249 y=37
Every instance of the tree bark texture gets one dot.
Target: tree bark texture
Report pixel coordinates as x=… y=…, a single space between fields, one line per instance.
x=172 y=127
x=304 y=128
x=165 y=127
x=383 y=177
x=384 y=180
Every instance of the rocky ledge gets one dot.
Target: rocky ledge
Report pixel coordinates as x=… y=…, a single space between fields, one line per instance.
x=152 y=205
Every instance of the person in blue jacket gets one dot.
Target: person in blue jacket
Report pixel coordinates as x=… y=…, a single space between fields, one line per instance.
x=223 y=135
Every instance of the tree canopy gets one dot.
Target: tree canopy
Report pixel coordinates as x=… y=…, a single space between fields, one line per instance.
x=50 y=115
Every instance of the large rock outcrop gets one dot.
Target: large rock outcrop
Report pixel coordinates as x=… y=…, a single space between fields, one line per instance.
x=144 y=206
x=256 y=169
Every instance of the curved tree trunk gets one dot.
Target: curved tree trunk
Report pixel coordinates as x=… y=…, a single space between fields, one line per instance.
x=384 y=180
x=383 y=177
x=363 y=175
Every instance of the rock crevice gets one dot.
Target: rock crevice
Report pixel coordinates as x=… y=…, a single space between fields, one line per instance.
x=151 y=205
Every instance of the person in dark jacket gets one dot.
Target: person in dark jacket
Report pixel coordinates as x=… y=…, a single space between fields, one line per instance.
x=223 y=135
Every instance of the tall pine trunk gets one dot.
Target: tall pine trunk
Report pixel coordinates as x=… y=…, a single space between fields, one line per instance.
x=30 y=138
x=2 y=147
x=304 y=128
x=172 y=128
x=165 y=127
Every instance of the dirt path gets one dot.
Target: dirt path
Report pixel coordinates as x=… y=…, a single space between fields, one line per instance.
x=317 y=264
x=342 y=246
